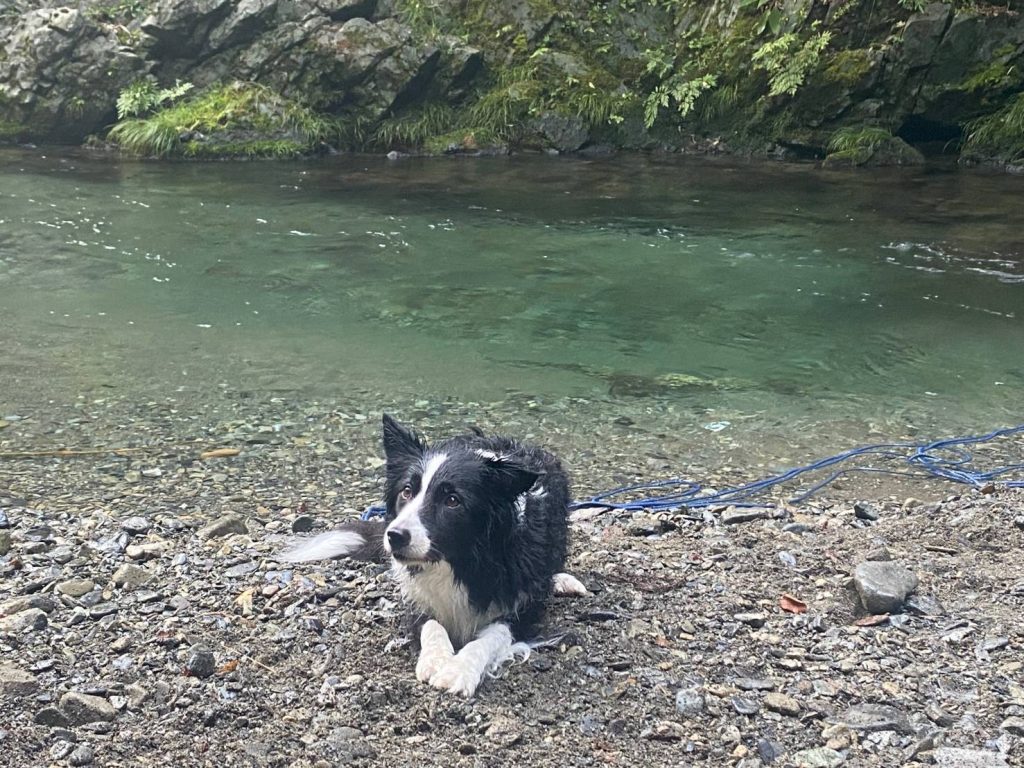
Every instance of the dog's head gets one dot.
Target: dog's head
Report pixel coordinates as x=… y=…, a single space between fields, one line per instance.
x=443 y=502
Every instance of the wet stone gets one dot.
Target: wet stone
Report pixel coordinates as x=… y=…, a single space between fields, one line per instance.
x=883 y=586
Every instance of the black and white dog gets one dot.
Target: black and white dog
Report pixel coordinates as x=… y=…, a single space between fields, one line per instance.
x=477 y=531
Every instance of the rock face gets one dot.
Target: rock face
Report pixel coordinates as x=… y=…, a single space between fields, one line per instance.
x=922 y=76
x=60 y=73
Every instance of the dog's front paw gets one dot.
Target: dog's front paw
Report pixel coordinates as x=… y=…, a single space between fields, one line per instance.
x=435 y=650
x=457 y=676
x=567 y=585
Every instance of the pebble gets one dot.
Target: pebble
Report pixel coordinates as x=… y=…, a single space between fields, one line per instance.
x=1014 y=725
x=953 y=757
x=52 y=717
x=864 y=511
x=883 y=586
x=665 y=730
x=690 y=702
x=735 y=515
x=868 y=718
x=76 y=587
x=504 y=731
x=83 y=755
x=201 y=661
x=222 y=526
x=131 y=576
x=16 y=682
x=784 y=705
x=31 y=619
x=769 y=751
x=80 y=708
x=303 y=524
x=818 y=757
x=752 y=619
x=242 y=569
x=745 y=705
x=136 y=525
x=754 y=684
x=924 y=605
x=146 y=551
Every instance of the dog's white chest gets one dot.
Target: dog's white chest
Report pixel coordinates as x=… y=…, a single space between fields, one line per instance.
x=434 y=591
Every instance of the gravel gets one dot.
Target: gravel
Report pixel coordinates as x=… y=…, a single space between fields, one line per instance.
x=144 y=620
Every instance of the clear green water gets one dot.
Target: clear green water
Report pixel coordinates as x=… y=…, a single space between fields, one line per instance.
x=725 y=290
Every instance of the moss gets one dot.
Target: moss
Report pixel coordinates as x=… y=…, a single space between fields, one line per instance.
x=242 y=118
x=849 y=67
x=997 y=75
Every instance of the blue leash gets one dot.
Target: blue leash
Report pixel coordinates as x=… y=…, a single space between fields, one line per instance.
x=946 y=459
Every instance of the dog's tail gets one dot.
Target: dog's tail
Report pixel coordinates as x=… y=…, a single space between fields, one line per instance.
x=358 y=539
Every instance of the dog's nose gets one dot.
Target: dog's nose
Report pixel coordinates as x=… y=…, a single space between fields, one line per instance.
x=398 y=538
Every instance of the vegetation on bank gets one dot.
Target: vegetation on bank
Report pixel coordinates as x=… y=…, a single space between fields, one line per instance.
x=234 y=120
x=627 y=73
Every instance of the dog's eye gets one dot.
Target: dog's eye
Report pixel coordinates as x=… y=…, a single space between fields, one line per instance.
x=452 y=501
x=406 y=493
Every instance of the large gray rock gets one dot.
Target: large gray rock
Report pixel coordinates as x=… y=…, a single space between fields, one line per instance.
x=883 y=586
x=60 y=73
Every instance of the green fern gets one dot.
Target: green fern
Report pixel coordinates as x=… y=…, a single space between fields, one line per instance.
x=787 y=61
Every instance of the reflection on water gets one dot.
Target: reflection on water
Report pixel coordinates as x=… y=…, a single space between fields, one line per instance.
x=781 y=293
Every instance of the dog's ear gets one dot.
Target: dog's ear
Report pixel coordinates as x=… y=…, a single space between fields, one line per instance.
x=401 y=445
x=513 y=477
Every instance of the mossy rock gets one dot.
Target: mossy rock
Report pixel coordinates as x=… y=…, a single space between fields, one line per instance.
x=888 y=151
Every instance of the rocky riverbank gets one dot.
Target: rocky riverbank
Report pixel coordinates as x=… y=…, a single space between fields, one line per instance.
x=144 y=620
x=863 y=83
